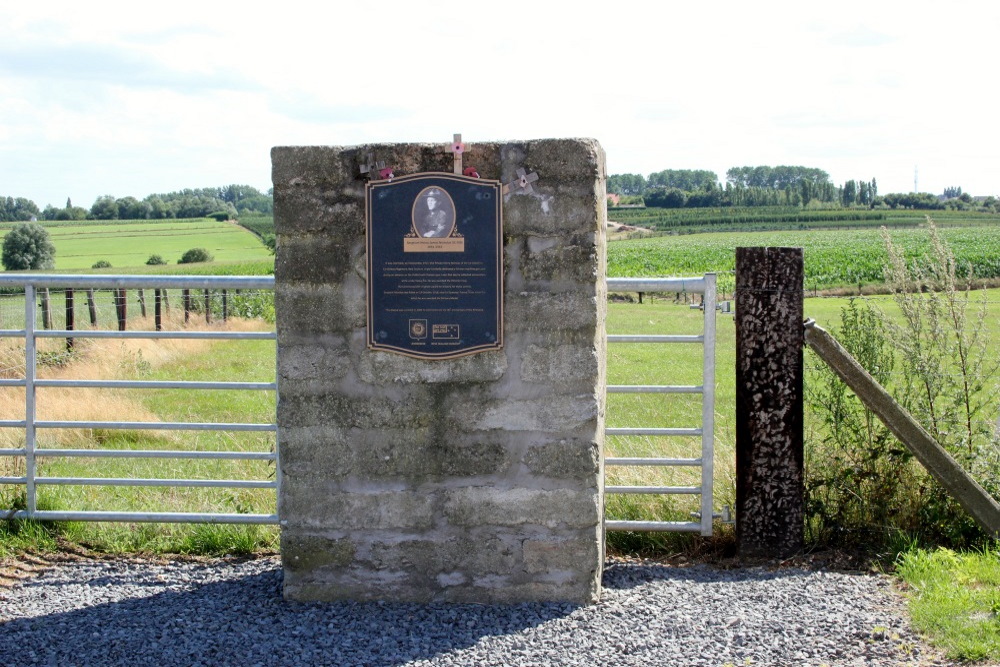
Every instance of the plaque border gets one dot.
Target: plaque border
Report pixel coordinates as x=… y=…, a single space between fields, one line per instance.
x=370 y=188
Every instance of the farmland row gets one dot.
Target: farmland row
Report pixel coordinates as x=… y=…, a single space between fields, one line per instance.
x=832 y=258
x=762 y=218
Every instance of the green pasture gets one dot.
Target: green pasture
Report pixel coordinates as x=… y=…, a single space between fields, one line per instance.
x=126 y=243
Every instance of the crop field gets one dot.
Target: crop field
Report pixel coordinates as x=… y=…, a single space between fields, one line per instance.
x=124 y=243
x=833 y=259
x=765 y=218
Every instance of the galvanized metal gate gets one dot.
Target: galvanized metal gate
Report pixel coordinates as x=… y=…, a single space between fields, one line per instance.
x=706 y=287
x=30 y=452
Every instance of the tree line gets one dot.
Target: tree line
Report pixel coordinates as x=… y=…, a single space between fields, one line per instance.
x=782 y=185
x=226 y=202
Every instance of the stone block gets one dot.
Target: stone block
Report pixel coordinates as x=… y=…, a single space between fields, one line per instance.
x=565 y=555
x=327 y=508
x=304 y=553
x=558 y=365
x=562 y=160
x=548 y=413
x=568 y=458
x=548 y=311
x=338 y=215
x=493 y=506
x=311 y=451
x=544 y=214
x=304 y=309
x=314 y=367
x=382 y=368
x=562 y=262
x=432 y=557
x=317 y=259
x=358 y=411
x=313 y=167
x=423 y=455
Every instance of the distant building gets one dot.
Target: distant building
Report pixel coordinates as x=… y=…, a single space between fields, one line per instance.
x=614 y=199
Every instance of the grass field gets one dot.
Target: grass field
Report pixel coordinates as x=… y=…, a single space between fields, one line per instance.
x=129 y=244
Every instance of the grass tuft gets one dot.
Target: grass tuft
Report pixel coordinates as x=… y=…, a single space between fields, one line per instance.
x=954 y=598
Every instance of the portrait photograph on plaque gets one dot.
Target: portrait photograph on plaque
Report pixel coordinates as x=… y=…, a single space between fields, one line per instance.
x=435 y=265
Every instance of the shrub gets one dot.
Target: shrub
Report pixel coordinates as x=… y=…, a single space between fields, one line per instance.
x=155 y=260
x=195 y=255
x=862 y=486
x=27 y=247
x=221 y=216
x=101 y=264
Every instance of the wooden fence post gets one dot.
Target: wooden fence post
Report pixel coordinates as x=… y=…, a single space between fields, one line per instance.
x=225 y=306
x=121 y=307
x=92 y=307
x=157 y=316
x=70 y=317
x=769 y=402
x=142 y=302
x=46 y=309
x=208 y=308
x=186 y=294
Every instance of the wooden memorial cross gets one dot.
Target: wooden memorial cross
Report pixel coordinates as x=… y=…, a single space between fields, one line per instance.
x=523 y=182
x=456 y=149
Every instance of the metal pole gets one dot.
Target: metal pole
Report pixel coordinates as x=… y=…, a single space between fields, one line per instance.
x=30 y=356
x=708 y=408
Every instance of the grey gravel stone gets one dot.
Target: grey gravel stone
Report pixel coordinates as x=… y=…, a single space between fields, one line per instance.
x=232 y=613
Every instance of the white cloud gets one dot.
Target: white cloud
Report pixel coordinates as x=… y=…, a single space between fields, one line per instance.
x=103 y=97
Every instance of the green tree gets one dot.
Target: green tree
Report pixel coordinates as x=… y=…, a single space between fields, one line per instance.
x=16 y=209
x=105 y=208
x=666 y=197
x=28 y=247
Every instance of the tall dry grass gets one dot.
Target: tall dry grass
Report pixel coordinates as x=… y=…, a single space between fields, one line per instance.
x=91 y=359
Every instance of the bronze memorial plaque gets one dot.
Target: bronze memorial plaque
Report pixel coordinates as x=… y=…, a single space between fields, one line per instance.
x=435 y=265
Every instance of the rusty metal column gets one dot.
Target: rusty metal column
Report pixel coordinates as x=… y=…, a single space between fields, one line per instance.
x=769 y=401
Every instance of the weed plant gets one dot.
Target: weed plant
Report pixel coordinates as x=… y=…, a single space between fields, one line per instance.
x=863 y=487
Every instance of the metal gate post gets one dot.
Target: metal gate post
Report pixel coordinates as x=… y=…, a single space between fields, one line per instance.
x=30 y=356
x=708 y=406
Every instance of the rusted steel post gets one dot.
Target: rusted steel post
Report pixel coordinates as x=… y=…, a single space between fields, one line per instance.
x=769 y=401
x=70 y=317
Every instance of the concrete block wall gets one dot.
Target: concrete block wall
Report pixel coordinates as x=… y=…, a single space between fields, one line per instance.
x=477 y=479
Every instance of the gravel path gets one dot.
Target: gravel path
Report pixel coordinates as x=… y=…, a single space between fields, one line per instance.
x=117 y=612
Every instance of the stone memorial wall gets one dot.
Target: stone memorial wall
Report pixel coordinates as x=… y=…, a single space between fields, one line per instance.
x=469 y=479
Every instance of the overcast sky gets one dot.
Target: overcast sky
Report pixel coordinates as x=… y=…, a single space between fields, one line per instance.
x=136 y=98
